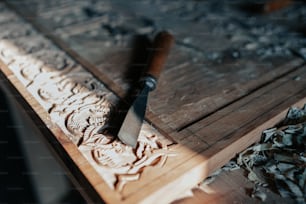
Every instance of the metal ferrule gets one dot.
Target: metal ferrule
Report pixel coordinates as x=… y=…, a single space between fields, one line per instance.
x=149 y=81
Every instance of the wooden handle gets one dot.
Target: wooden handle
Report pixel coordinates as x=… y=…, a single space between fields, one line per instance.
x=275 y=5
x=162 y=44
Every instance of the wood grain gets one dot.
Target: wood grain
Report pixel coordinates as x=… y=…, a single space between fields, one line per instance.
x=195 y=85
x=212 y=109
x=161 y=47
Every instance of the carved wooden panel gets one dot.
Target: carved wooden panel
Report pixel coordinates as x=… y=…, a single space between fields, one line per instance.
x=78 y=103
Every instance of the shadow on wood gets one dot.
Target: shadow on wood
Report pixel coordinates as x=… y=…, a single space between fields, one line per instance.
x=137 y=66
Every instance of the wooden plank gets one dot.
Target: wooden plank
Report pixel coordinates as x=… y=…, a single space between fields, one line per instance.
x=245 y=134
x=251 y=107
x=209 y=160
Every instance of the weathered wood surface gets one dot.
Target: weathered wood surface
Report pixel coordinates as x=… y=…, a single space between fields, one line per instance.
x=202 y=75
x=213 y=103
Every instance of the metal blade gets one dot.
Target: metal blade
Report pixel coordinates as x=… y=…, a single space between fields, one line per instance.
x=131 y=126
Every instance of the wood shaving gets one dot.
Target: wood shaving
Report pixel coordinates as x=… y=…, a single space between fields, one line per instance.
x=259 y=195
x=278 y=161
x=279 y=156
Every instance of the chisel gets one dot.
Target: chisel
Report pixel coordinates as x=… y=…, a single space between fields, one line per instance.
x=132 y=123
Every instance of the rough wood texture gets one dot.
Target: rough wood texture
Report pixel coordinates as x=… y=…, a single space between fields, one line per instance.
x=226 y=65
x=213 y=108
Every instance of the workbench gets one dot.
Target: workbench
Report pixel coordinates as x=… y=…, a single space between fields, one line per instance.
x=70 y=64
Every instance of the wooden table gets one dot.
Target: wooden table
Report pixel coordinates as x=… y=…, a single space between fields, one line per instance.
x=72 y=63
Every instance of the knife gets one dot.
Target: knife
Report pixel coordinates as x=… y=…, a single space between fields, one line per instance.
x=132 y=122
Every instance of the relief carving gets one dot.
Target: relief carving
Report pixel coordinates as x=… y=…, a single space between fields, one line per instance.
x=120 y=162
x=79 y=104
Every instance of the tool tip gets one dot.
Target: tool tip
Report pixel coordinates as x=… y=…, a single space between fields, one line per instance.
x=128 y=139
